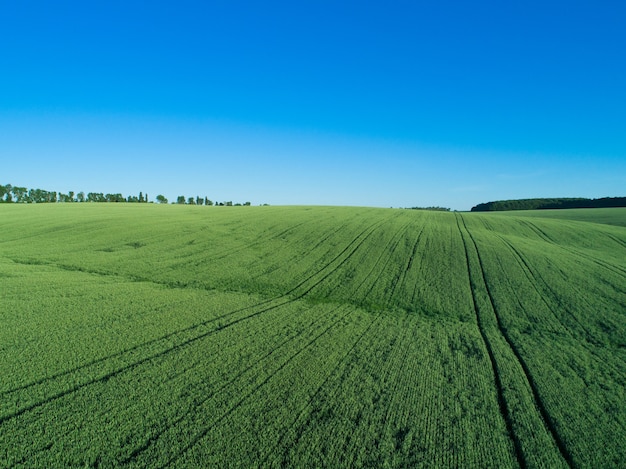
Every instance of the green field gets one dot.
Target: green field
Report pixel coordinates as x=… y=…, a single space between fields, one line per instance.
x=610 y=216
x=137 y=335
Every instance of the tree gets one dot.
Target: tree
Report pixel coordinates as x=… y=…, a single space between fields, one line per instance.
x=191 y=201
x=207 y=201
x=96 y=197
x=161 y=199
x=80 y=197
x=36 y=196
x=199 y=200
x=19 y=193
x=7 y=191
x=33 y=196
x=29 y=197
x=4 y=190
x=117 y=198
x=180 y=200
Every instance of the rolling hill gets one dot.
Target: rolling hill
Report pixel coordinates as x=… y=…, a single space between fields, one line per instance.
x=137 y=335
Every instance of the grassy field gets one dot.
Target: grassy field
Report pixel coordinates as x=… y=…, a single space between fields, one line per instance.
x=138 y=335
x=609 y=216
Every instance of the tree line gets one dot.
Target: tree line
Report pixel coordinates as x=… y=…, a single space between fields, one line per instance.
x=555 y=203
x=181 y=200
x=432 y=209
x=18 y=194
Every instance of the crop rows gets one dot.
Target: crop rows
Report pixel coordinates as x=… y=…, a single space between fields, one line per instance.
x=162 y=336
x=576 y=365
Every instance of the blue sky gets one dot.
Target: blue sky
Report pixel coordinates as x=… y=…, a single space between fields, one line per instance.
x=345 y=103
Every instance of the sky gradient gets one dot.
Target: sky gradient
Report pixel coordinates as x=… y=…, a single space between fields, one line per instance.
x=390 y=104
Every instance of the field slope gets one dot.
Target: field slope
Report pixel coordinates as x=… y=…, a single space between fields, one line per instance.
x=177 y=336
x=610 y=216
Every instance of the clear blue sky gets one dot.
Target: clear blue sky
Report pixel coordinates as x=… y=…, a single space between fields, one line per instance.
x=299 y=102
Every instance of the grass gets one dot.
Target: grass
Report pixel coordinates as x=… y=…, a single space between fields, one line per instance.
x=609 y=216
x=176 y=336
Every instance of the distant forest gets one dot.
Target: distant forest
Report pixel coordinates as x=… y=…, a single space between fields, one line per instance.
x=541 y=204
x=17 y=194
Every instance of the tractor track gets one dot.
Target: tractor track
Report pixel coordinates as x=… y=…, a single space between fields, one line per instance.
x=534 y=279
x=504 y=410
x=181 y=417
x=282 y=299
x=545 y=416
